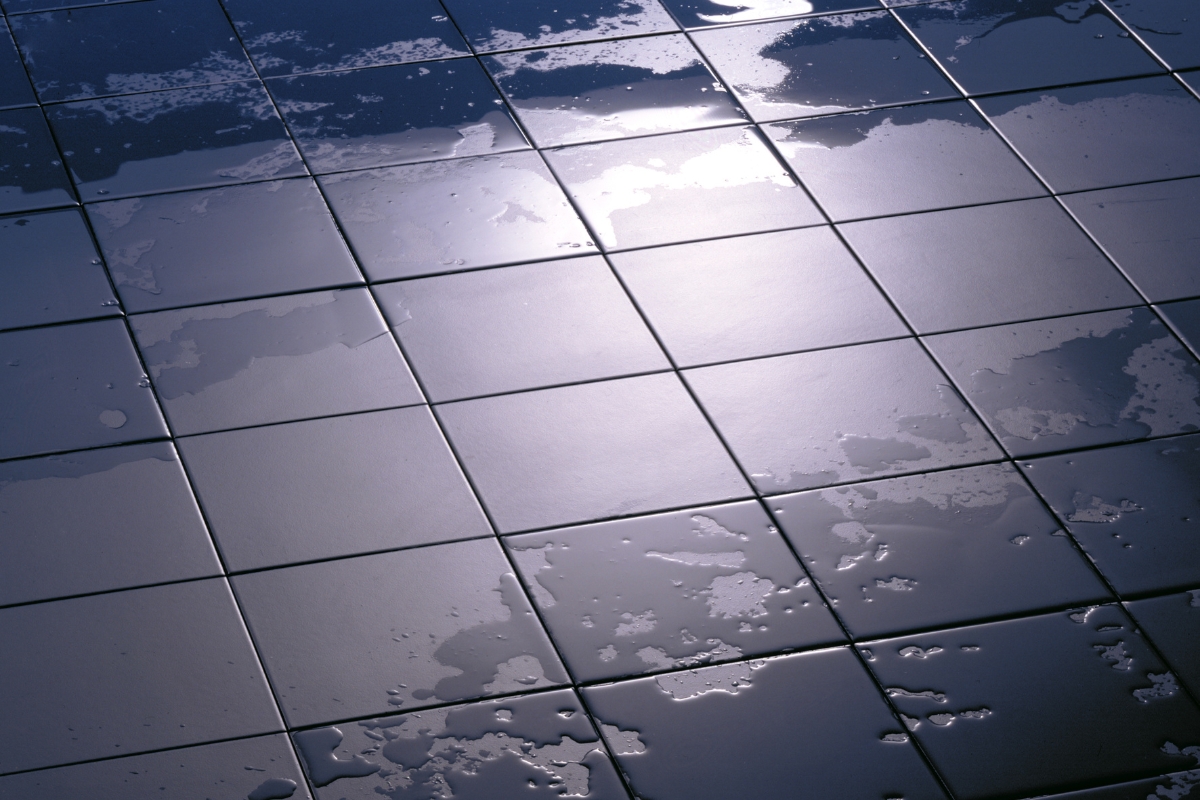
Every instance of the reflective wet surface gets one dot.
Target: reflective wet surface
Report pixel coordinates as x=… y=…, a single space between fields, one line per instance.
x=31 y=169
x=14 y=85
x=492 y=25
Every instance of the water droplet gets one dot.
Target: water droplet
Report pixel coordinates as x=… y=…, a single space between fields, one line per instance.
x=113 y=418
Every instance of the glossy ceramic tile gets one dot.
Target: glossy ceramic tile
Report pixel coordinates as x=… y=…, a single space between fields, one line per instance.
x=990 y=46
x=1180 y=783
x=900 y=160
x=1173 y=624
x=522 y=327
x=285 y=37
x=756 y=295
x=1089 y=137
x=834 y=416
x=262 y=768
x=677 y=590
x=330 y=487
x=25 y=6
x=443 y=216
x=126 y=673
x=52 y=271
x=610 y=90
x=80 y=386
x=1075 y=382
x=273 y=360
x=396 y=115
x=335 y=647
x=129 y=48
x=1184 y=317
x=492 y=25
x=1169 y=27
x=1191 y=79
x=933 y=550
x=682 y=186
x=1133 y=508
x=702 y=13
x=1005 y=685
x=812 y=720
x=14 y=83
x=540 y=745
x=822 y=65
x=1150 y=231
x=172 y=140
x=590 y=451
x=31 y=171
x=221 y=244
x=99 y=520
x=988 y=265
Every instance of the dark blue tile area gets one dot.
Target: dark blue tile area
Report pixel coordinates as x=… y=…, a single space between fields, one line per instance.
x=330 y=487
x=1179 y=783
x=522 y=327
x=1077 y=381
x=812 y=720
x=221 y=244
x=14 y=83
x=126 y=673
x=1027 y=687
x=1105 y=134
x=822 y=65
x=396 y=115
x=1191 y=79
x=1185 y=319
x=539 y=745
x=83 y=387
x=679 y=590
x=31 y=170
x=703 y=13
x=987 y=265
x=849 y=414
x=590 y=451
x=1135 y=510
x=288 y=38
x=26 y=6
x=997 y=46
x=99 y=520
x=172 y=140
x=891 y=161
x=492 y=25
x=1170 y=27
x=127 y=48
x=610 y=90
x=1173 y=624
x=336 y=648
x=53 y=273
x=1150 y=231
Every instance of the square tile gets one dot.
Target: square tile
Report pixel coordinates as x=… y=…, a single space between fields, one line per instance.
x=749 y=729
x=1184 y=317
x=80 y=386
x=676 y=590
x=129 y=48
x=756 y=295
x=492 y=25
x=834 y=416
x=996 y=47
x=702 y=13
x=590 y=451
x=1002 y=687
x=1173 y=624
x=221 y=244
x=986 y=265
x=262 y=768
x=822 y=65
x=31 y=171
x=330 y=487
x=1089 y=137
x=1133 y=508
x=899 y=160
x=173 y=140
x=610 y=90
x=53 y=273
x=1149 y=231
x=99 y=520
x=682 y=186
x=14 y=83
x=522 y=327
x=111 y=679
x=1169 y=27
x=542 y=744
x=442 y=216
x=937 y=549
x=335 y=647
x=287 y=38
x=1076 y=381
x=399 y=114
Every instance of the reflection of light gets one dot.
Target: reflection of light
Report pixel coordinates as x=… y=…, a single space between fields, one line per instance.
x=758 y=9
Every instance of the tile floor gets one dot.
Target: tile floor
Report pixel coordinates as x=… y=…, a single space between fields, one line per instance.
x=599 y=398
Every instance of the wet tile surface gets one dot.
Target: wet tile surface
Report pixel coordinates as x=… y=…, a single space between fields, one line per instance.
x=492 y=25
x=703 y=13
x=14 y=84
x=31 y=170
x=1184 y=317
x=1169 y=27
x=1174 y=623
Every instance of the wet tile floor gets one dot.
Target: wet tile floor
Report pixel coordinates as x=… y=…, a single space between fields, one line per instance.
x=602 y=398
